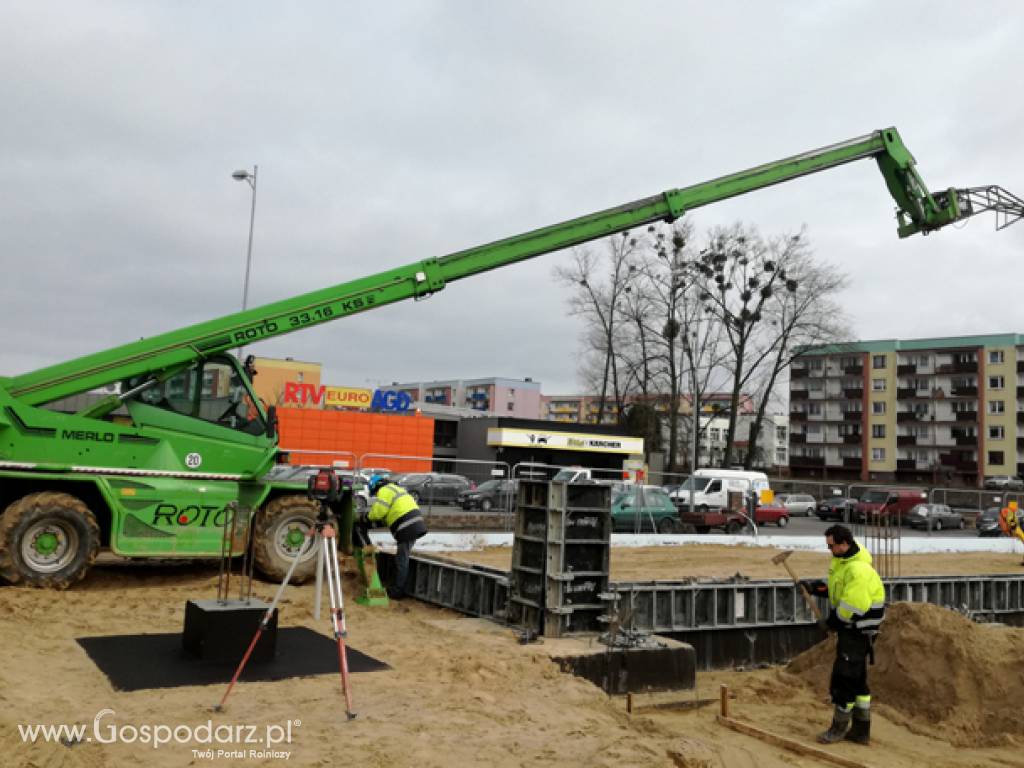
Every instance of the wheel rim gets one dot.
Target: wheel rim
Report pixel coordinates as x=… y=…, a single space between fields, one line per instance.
x=291 y=537
x=485 y=505
x=49 y=545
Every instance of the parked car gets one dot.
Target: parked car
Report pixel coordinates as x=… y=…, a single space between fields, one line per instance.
x=797 y=503
x=836 y=508
x=887 y=504
x=772 y=514
x=646 y=507
x=934 y=517
x=1004 y=483
x=434 y=487
x=987 y=522
x=492 y=494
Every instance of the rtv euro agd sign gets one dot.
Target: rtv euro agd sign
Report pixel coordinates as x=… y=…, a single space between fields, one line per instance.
x=389 y=400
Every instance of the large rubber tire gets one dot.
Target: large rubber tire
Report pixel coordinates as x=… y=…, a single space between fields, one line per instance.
x=732 y=528
x=486 y=504
x=47 y=539
x=938 y=525
x=280 y=533
x=703 y=509
x=783 y=522
x=668 y=525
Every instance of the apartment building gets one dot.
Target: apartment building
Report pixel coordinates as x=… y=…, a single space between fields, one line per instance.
x=933 y=411
x=583 y=409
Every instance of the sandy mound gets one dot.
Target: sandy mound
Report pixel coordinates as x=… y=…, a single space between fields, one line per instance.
x=939 y=673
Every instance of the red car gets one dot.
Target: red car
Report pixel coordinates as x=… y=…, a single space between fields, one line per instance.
x=772 y=514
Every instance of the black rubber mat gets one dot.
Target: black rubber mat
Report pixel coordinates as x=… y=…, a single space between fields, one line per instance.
x=138 y=662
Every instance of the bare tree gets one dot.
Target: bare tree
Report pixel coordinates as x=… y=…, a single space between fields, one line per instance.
x=738 y=276
x=597 y=290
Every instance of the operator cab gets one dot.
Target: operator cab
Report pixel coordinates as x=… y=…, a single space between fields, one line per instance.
x=215 y=390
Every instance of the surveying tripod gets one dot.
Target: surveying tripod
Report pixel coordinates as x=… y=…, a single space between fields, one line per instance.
x=324 y=487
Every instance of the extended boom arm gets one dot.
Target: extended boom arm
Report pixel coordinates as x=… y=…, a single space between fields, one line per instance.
x=917 y=210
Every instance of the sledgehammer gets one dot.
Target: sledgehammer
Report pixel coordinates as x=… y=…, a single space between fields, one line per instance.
x=780 y=559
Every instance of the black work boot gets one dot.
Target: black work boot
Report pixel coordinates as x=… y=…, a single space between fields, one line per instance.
x=836 y=731
x=860 y=731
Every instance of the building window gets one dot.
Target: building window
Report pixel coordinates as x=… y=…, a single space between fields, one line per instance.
x=878 y=385
x=995 y=356
x=924 y=361
x=878 y=406
x=878 y=362
x=815 y=364
x=815 y=385
x=878 y=454
x=995 y=457
x=814 y=409
x=965 y=406
x=511 y=406
x=996 y=433
x=995 y=382
x=878 y=430
x=780 y=455
x=996 y=406
x=813 y=429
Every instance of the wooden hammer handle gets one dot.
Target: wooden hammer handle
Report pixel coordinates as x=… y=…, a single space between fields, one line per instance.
x=811 y=603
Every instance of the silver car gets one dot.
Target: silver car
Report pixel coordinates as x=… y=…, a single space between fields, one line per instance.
x=797 y=503
x=934 y=517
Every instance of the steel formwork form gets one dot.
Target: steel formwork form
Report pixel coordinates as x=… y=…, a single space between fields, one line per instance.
x=683 y=606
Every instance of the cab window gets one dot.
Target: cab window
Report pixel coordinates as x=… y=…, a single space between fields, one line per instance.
x=213 y=391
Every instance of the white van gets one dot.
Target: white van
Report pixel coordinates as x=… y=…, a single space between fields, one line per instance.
x=710 y=487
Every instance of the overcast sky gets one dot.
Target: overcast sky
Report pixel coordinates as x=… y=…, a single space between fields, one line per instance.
x=386 y=133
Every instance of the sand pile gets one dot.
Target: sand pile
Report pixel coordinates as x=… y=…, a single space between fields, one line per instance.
x=940 y=674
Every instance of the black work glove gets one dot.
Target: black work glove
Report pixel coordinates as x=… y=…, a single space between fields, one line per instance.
x=824 y=626
x=816 y=587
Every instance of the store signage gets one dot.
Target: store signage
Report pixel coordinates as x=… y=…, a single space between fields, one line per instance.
x=564 y=441
x=390 y=400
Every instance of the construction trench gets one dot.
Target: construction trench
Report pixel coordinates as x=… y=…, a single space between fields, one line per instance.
x=654 y=635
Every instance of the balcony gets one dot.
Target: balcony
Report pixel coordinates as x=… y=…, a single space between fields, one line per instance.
x=1020 y=417
x=856 y=394
x=851 y=415
x=852 y=462
x=1020 y=391
x=797 y=438
x=902 y=440
x=905 y=464
x=852 y=439
x=798 y=373
x=857 y=370
x=1020 y=366
x=968 y=416
x=965 y=440
x=906 y=394
x=902 y=417
x=965 y=367
x=806 y=461
x=965 y=391
x=798 y=394
x=906 y=370
x=798 y=416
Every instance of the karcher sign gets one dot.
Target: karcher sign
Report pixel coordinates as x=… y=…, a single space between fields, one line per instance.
x=564 y=441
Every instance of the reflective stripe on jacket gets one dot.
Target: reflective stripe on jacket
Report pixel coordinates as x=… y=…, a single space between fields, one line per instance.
x=392 y=503
x=856 y=592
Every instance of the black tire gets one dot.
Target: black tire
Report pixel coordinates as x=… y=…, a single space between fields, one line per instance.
x=277 y=532
x=703 y=509
x=732 y=527
x=667 y=525
x=486 y=504
x=937 y=526
x=41 y=521
x=783 y=522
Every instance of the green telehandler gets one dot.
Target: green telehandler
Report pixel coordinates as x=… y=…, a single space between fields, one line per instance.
x=152 y=469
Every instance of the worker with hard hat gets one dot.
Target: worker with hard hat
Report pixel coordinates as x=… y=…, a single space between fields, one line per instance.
x=393 y=506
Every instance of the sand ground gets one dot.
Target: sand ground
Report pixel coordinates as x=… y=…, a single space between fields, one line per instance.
x=461 y=692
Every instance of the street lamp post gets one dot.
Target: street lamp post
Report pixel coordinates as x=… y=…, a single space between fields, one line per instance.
x=249 y=178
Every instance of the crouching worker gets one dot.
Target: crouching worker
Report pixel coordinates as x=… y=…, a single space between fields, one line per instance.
x=857 y=598
x=393 y=506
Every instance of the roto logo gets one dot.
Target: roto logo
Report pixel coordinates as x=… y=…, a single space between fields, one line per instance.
x=193 y=514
